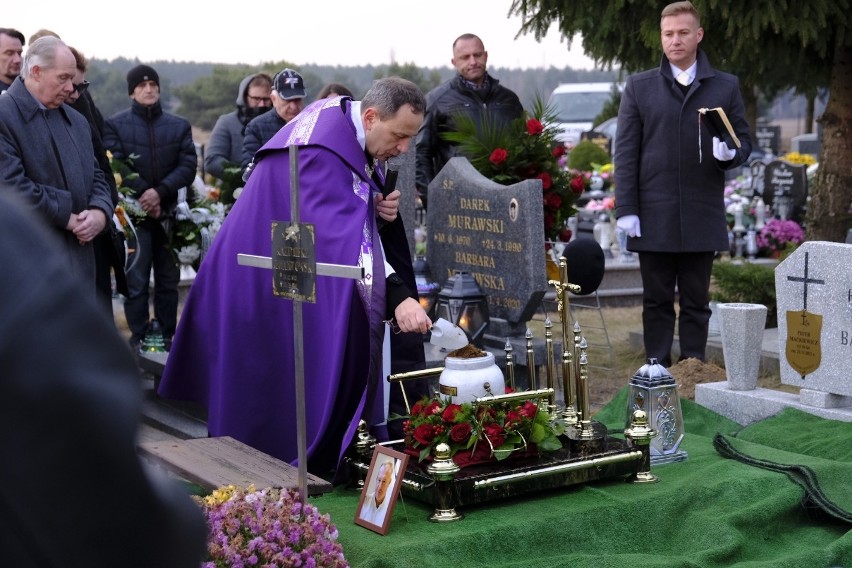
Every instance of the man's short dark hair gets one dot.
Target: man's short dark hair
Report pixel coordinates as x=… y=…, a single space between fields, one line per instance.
x=12 y=32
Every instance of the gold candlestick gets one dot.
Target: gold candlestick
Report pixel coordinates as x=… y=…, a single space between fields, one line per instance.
x=586 y=420
x=531 y=360
x=548 y=341
x=569 y=415
x=510 y=364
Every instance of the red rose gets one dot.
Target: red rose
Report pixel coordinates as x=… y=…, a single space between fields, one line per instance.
x=424 y=434
x=534 y=127
x=565 y=235
x=578 y=184
x=498 y=156
x=494 y=432
x=416 y=409
x=460 y=432
x=553 y=200
x=528 y=409
x=558 y=152
x=513 y=420
x=546 y=180
x=450 y=412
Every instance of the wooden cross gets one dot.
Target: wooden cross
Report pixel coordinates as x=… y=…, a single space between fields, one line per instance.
x=295 y=269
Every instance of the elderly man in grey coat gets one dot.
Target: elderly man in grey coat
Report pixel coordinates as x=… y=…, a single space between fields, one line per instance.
x=670 y=181
x=46 y=155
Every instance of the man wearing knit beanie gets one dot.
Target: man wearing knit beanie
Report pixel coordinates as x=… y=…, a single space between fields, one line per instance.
x=158 y=147
x=140 y=74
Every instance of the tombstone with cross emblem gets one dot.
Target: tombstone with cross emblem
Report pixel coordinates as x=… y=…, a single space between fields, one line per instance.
x=814 y=292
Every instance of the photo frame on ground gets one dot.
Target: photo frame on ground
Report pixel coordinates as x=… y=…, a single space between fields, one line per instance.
x=381 y=489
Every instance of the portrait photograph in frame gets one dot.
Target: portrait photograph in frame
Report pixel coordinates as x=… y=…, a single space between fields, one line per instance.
x=381 y=489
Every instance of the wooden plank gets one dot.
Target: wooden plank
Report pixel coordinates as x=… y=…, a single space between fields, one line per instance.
x=214 y=462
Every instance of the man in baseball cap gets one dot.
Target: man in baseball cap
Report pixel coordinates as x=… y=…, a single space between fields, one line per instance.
x=288 y=99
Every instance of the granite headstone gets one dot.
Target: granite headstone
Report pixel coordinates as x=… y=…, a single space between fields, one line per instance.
x=814 y=294
x=785 y=189
x=492 y=231
x=769 y=138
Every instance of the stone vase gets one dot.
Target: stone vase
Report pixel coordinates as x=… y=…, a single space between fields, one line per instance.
x=741 y=326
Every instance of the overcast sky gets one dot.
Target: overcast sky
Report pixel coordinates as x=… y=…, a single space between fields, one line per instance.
x=330 y=32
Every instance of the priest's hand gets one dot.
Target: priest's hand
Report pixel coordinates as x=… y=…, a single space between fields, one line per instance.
x=388 y=207
x=721 y=151
x=410 y=317
x=630 y=225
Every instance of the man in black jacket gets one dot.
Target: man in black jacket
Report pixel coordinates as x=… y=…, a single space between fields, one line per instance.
x=473 y=92
x=158 y=147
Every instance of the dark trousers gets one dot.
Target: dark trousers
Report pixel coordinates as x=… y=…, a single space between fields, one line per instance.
x=152 y=252
x=690 y=274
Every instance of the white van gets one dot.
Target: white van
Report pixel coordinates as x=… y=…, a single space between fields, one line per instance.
x=576 y=105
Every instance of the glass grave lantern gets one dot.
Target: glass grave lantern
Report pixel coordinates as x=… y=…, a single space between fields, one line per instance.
x=462 y=302
x=427 y=289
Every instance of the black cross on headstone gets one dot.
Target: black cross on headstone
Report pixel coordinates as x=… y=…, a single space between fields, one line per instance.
x=805 y=280
x=295 y=280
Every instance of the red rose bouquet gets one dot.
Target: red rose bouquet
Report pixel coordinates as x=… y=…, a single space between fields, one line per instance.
x=525 y=149
x=491 y=431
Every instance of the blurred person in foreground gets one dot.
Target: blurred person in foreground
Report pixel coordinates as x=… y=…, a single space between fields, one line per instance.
x=473 y=92
x=669 y=182
x=11 y=56
x=225 y=148
x=246 y=376
x=73 y=491
x=47 y=158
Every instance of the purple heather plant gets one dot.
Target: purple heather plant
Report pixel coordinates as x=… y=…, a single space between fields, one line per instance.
x=777 y=233
x=271 y=527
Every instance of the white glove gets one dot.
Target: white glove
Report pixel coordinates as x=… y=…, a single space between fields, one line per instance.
x=630 y=225
x=721 y=151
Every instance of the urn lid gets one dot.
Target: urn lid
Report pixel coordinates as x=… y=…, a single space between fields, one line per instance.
x=652 y=374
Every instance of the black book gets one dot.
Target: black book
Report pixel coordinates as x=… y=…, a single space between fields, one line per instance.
x=720 y=126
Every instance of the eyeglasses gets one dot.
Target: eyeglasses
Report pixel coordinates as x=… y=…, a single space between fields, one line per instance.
x=81 y=87
x=265 y=101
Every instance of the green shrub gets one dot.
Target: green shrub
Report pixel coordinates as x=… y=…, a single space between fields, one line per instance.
x=585 y=154
x=747 y=283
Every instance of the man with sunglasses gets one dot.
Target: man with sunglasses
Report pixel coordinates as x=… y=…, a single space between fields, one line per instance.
x=47 y=158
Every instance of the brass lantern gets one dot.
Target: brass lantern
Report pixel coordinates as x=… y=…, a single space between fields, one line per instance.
x=462 y=302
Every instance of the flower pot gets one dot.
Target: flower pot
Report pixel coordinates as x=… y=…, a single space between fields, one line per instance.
x=742 y=327
x=466 y=379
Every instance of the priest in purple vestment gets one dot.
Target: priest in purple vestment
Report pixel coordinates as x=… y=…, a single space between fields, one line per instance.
x=233 y=349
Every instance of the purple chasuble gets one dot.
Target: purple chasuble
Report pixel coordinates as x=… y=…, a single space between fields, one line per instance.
x=233 y=349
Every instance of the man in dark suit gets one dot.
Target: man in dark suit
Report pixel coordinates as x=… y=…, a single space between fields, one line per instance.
x=46 y=154
x=670 y=176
